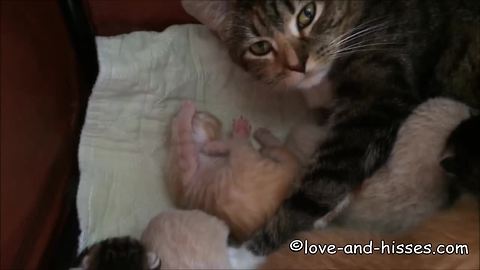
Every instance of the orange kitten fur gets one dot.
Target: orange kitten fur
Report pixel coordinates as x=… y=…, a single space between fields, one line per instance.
x=227 y=177
x=458 y=225
x=187 y=240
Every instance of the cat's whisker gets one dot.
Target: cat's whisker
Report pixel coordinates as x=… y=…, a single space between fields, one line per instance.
x=362 y=27
x=360 y=49
x=344 y=54
x=362 y=33
x=366 y=45
x=375 y=41
x=356 y=28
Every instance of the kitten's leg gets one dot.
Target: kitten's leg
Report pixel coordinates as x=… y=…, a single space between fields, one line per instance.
x=273 y=148
x=182 y=144
x=266 y=139
x=241 y=148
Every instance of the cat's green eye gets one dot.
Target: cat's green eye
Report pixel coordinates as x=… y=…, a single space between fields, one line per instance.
x=306 y=15
x=261 y=48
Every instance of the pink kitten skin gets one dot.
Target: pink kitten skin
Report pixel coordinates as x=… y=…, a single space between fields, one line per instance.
x=226 y=176
x=188 y=239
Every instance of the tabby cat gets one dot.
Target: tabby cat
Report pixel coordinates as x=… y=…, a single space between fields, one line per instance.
x=374 y=61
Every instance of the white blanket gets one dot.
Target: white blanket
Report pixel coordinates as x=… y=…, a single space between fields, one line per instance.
x=143 y=78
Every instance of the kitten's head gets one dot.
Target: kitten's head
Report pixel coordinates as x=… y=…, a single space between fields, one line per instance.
x=119 y=253
x=290 y=43
x=206 y=127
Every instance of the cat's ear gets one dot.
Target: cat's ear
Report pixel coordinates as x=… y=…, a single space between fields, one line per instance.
x=213 y=14
x=153 y=261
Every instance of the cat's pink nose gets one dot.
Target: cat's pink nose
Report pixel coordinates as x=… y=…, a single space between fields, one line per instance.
x=300 y=64
x=300 y=67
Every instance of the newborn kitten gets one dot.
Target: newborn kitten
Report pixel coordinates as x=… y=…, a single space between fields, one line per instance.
x=458 y=225
x=227 y=177
x=118 y=253
x=188 y=240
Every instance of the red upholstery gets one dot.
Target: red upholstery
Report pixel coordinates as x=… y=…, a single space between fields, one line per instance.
x=41 y=101
x=40 y=97
x=122 y=16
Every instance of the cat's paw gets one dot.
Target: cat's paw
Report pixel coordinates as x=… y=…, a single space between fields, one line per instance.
x=241 y=127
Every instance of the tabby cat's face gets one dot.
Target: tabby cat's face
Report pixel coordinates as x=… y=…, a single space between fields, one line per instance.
x=286 y=42
x=289 y=43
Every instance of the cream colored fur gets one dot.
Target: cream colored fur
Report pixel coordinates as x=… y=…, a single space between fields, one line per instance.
x=188 y=240
x=411 y=185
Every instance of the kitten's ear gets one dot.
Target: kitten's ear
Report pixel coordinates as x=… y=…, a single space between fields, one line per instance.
x=153 y=261
x=213 y=14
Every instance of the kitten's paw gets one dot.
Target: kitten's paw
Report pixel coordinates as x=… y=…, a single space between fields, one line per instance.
x=266 y=139
x=241 y=127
